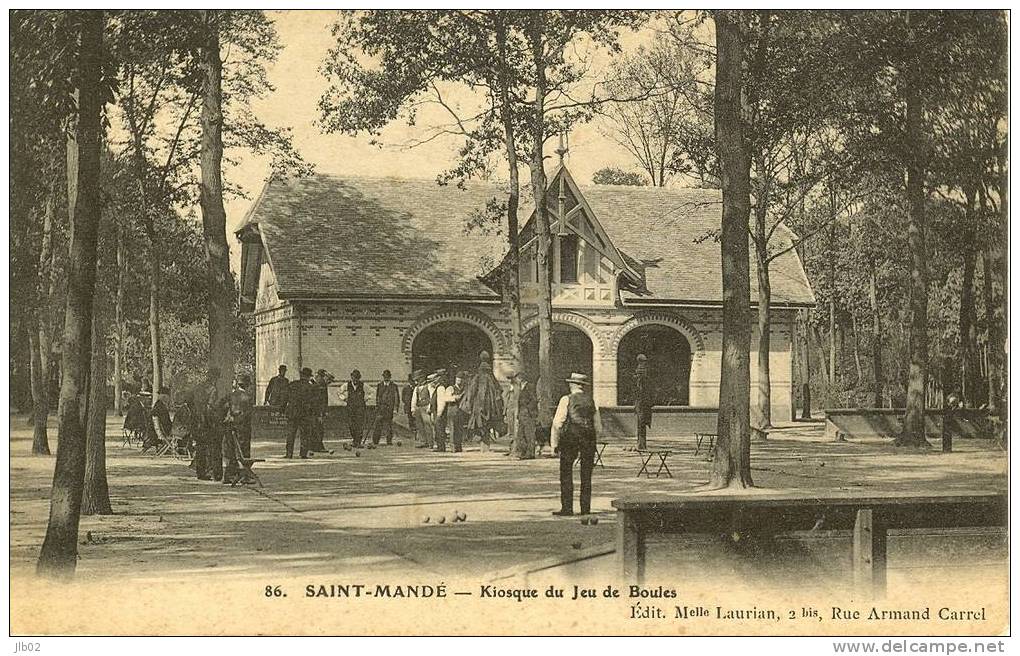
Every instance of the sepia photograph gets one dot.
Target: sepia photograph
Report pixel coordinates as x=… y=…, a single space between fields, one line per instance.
x=510 y=322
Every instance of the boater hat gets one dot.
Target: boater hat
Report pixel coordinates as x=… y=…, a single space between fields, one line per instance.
x=579 y=379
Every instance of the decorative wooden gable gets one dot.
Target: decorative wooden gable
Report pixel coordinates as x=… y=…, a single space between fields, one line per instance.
x=585 y=265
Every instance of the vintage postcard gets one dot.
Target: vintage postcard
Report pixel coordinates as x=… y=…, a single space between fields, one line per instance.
x=509 y=322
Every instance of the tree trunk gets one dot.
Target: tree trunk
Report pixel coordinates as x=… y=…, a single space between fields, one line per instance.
x=805 y=340
x=857 y=350
x=968 y=332
x=544 y=241
x=59 y=552
x=764 y=339
x=876 y=338
x=118 y=336
x=155 y=333
x=992 y=398
x=40 y=344
x=732 y=464
x=917 y=376
x=96 y=493
x=40 y=395
x=214 y=216
x=524 y=445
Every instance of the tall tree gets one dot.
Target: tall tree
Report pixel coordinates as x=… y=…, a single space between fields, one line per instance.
x=59 y=551
x=214 y=216
x=731 y=466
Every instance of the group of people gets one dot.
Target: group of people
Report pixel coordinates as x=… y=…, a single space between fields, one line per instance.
x=214 y=426
x=469 y=408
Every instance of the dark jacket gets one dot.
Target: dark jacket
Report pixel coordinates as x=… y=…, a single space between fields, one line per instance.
x=276 y=393
x=300 y=404
x=406 y=398
x=355 y=394
x=386 y=397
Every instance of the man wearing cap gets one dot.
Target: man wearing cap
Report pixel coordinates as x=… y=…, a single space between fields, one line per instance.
x=386 y=400
x=299 y=409
x=642 y=400
x=356 y=407
x=575 y=429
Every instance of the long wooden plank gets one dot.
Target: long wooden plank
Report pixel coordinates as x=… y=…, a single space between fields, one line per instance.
x=800 y=498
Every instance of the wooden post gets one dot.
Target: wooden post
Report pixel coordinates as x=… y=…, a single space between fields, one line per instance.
x=630 y=547
x=869 y=555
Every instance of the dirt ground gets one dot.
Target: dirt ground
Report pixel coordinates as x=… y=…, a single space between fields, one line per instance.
x=363 y=516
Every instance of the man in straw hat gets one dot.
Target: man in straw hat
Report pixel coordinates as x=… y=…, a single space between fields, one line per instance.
x=575 y=429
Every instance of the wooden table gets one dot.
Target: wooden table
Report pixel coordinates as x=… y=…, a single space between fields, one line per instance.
x=867 y=515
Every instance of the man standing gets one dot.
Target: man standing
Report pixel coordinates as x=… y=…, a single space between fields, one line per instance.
x=276 y=392
x=438 y=409
x=575 y=429
x=320 y=405
x=237 y=440
x=642 y=400
x=455 y=417
x=407 y=396
x=356 y=407
x=385 y=405
x=431 y=410
x=420 y=401
x=212 y=407
x=298 y=408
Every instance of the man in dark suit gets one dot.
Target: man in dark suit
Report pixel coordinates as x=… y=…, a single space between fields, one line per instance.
x=299 y=408
x=386 y=401
x=356 y=407
x=276 y=392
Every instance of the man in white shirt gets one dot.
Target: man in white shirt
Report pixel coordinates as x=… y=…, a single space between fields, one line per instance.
x=575 y=430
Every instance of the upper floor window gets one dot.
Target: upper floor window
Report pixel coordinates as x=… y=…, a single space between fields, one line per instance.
x=568 y=258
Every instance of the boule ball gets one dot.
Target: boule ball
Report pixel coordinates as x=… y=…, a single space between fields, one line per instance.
x=594 y=521
x=442 y=520
x=426 y=520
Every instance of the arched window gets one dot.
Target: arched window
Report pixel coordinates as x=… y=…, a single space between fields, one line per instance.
x=668 y=364
x=571 y=353
x=449 y=345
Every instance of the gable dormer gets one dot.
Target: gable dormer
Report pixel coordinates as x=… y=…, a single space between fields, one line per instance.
x=586 y=268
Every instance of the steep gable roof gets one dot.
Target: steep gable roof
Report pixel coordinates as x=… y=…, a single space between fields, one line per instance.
x=331 y=237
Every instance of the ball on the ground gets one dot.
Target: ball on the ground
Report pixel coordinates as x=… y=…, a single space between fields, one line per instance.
x=399 y=443
x=357 y=454
x=442 y=520
x=426 y=520
x=584 y=521
x=594 y=521
x=576 y=545
x=462 y=517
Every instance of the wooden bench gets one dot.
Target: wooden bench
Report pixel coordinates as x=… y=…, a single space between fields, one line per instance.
x=867 y=516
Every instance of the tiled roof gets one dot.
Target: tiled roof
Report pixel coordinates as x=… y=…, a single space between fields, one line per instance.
x=375 y=237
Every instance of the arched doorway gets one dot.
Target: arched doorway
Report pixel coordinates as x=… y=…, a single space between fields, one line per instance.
x=449 y=345
x=571 y=353
x=669 y=365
